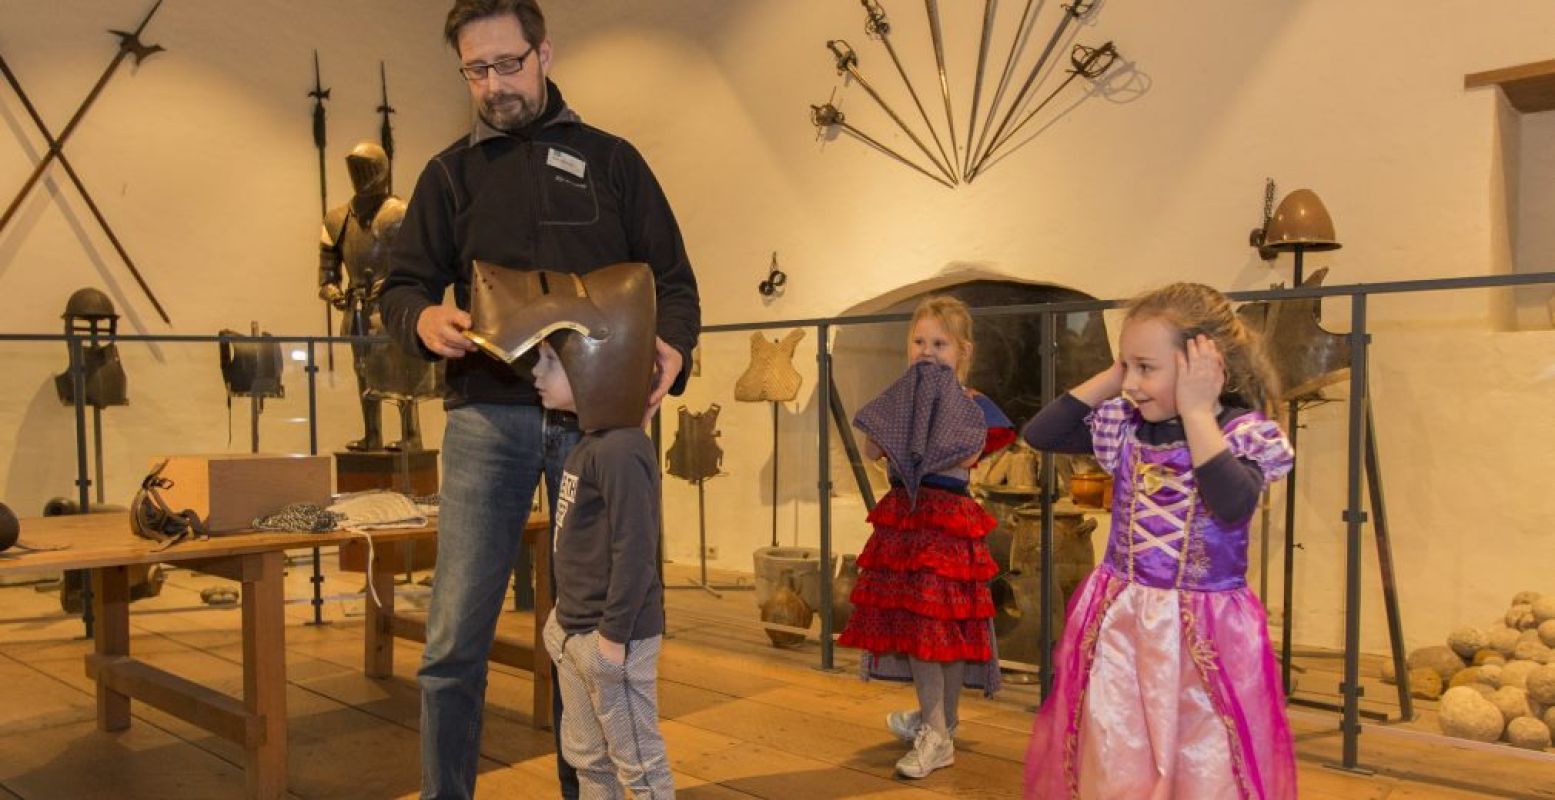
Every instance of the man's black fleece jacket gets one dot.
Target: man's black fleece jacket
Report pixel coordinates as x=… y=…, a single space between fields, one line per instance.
x=557 y=195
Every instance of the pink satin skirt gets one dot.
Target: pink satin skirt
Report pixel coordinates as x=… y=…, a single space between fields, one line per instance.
x=1159 y=694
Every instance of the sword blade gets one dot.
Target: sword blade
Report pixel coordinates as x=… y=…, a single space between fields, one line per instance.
x=828 y=115
x=847 y=61
x=977 y=84
x=876 y=26
x=868 y=140
x=938 y=36
x=1071 y=13
x=1004 y=83
x=1087 y=68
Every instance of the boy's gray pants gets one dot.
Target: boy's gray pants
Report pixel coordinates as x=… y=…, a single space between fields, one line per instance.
x=610 y=716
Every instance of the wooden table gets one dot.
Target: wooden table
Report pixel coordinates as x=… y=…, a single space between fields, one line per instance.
x=103 y=544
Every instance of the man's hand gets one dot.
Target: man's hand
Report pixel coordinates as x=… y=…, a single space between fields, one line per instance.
x=441 y=329
x=613 y=652
x=667 y=364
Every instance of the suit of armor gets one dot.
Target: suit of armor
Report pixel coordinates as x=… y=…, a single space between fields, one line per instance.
x=353 y=261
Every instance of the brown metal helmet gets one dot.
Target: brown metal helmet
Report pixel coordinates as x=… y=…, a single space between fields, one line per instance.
x=368 y=165
x=90 y=312
x=89 y=303
x=1301 y=221
x=601 y=324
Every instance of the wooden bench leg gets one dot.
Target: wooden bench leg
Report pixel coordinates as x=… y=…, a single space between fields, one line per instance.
x=111 y=606
x=264 y=672
x=378 y=638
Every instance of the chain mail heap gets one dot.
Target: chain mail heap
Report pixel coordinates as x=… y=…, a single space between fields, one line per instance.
x=304 y=517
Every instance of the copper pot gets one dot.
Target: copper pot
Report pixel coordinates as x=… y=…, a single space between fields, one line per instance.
x=1091 y=489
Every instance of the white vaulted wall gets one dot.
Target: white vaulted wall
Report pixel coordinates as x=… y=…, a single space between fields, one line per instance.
x=202 y=160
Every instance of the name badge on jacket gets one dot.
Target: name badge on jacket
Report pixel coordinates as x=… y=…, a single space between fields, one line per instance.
x=567 y=163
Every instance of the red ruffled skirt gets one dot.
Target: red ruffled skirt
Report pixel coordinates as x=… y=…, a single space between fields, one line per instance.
x=923 y=579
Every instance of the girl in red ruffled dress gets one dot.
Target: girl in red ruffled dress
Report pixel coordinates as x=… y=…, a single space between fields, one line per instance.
x=921 y=607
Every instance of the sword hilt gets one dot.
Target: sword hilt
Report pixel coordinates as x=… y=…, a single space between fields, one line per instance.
x=1092 y=62
x=876 y=25
x=847 y=59
x=1080 y=8
x=824 y=116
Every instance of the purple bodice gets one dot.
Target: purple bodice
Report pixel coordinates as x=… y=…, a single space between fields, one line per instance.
x=1162 y=534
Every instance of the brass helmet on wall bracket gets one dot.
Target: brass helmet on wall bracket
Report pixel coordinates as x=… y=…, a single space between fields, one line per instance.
x=601 y=324
x=1302 y=221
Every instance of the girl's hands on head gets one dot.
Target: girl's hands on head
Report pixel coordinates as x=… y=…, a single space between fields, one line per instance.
x=1104 y=385
x=1201 y=376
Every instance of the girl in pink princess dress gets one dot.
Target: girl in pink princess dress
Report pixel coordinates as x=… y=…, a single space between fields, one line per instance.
x=1165 y=683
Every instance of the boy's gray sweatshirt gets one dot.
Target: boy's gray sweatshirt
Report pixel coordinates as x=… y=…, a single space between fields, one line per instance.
x=607 y=537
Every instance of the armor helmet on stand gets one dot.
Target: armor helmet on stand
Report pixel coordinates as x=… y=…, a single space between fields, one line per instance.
x=90 y=314
x=89 y=311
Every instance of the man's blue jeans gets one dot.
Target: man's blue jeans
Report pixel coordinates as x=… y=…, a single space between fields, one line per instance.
x=493 y=457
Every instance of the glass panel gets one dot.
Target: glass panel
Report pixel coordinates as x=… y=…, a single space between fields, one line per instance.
x=1460 y=414
x=739 y=481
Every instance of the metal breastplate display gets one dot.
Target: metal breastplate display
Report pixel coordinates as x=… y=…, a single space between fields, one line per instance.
x=105 y=382
x=695 y=455
x=771 y=374
x=1305 y=356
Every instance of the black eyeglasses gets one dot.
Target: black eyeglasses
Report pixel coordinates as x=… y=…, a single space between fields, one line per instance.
x=506 y=66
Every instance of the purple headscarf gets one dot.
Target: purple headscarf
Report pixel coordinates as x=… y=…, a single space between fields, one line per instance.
x=925 y=423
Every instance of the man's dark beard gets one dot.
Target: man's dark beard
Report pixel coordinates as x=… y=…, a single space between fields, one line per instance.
x=514 y=115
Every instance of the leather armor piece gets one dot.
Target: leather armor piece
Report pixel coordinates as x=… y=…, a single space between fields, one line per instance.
x=695 y=456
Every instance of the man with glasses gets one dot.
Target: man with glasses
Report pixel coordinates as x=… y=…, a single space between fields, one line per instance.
x=531 y=187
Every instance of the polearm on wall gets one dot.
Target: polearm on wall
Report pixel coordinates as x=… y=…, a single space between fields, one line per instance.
x=75 y=179
x=129 y=45
x=320 y=142
x=385 y=127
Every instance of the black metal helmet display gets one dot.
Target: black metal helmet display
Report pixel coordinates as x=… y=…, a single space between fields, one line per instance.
x=10 y=527
x=89 y=303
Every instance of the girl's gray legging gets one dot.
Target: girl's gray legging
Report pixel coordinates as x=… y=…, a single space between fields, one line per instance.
x=938 y=685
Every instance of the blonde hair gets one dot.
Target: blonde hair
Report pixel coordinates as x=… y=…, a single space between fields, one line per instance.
x=1193 y=309
x=953 y=315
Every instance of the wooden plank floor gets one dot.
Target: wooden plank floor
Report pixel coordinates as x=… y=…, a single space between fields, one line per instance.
x=741 y=718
